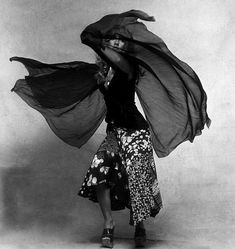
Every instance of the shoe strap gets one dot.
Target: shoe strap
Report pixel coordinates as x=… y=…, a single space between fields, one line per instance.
x=108 y=231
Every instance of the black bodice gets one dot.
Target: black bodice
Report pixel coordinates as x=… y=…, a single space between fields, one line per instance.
x=120 y=101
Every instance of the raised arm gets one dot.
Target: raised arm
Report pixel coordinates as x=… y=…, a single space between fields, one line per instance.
x=116 y=58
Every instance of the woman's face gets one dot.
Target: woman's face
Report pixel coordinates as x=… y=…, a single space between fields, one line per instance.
x=117 y=43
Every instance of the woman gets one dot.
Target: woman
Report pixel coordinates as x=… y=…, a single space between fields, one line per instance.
x=123 y=171
x=75 y=97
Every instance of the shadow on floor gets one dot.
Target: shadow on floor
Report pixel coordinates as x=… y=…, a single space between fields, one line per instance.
x=41 y=188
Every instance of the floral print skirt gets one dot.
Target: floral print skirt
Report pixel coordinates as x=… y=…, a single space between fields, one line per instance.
x=125 y=163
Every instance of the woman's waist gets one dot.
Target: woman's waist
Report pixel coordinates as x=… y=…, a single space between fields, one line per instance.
x=129 y=120
x=126 y=106
x=113 y=128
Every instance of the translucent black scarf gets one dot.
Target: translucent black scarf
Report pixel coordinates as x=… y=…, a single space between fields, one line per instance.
x=169 y=91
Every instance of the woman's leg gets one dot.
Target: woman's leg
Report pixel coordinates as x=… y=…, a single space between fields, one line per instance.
x=140 y=235
x=140 y=224
x=103 y=196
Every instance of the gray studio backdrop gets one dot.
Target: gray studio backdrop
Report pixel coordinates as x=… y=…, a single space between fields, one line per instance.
x=40 y=175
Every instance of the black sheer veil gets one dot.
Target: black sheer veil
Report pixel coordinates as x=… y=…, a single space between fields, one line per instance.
x=170 y=92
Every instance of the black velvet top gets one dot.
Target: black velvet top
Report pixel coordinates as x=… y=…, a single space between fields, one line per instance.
x=119 y=97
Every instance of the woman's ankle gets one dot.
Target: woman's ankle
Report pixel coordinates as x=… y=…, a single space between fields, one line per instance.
x=140 y=225
x=109 y=223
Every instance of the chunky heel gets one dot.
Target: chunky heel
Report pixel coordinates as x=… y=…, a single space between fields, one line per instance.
x=140 y=237
x=107 y=238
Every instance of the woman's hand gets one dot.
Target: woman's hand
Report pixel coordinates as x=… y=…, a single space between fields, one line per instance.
x=109 y=77
x=118 y=60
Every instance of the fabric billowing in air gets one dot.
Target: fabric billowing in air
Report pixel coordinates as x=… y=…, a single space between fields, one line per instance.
x=170 y=92
x=66 y=95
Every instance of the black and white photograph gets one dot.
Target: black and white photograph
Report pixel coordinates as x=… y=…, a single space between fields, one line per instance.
x=117 y=124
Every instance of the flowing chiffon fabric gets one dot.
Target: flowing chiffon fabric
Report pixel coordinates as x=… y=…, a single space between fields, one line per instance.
x=169 y=91
x=66 y=95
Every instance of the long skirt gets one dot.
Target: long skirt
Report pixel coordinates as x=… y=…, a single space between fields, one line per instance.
x=124 y=163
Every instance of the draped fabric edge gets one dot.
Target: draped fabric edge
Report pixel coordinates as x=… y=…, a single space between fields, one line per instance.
x=74 y=123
